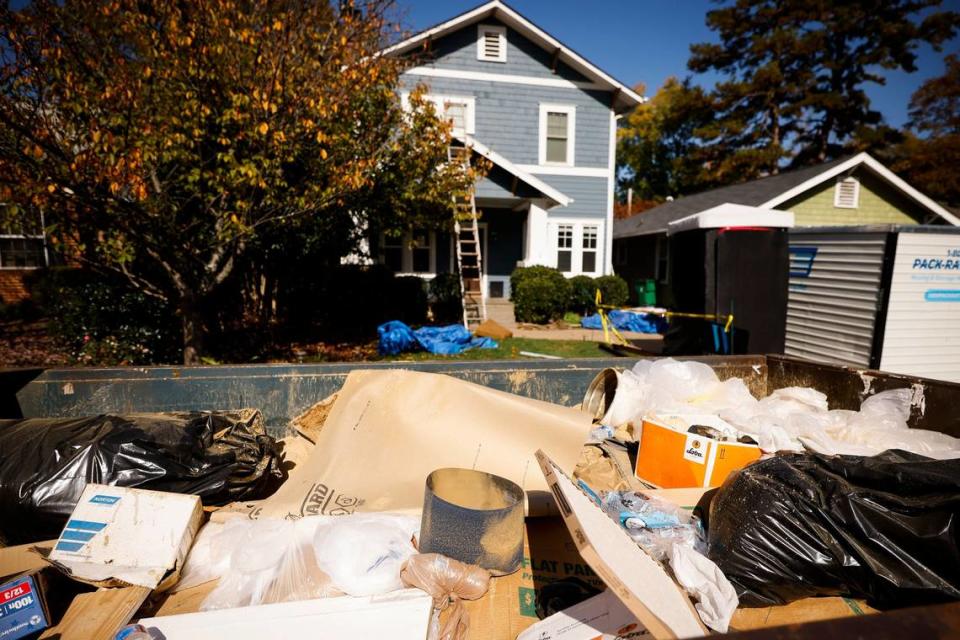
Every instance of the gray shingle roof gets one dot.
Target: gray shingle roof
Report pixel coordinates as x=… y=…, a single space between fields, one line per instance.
x=753 y=193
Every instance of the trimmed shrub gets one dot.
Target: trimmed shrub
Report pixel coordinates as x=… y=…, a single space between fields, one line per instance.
x=583 y=295
x=104 y=321
x=407 y=299
x=614 y=290
x=445 y=300
x=522 y=273
x=540 y=297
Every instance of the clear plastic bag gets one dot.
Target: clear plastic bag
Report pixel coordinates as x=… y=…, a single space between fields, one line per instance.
x=449 y=581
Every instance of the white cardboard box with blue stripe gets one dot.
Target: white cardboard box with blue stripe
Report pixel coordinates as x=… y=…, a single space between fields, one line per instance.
x=119 y=536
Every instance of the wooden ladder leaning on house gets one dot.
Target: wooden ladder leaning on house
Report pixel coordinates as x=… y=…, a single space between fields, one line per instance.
x=469 y=253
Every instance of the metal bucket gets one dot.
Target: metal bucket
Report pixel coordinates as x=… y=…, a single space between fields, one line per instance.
x=474 y=517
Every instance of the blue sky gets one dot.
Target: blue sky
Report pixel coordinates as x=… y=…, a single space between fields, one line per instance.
x=648 y=40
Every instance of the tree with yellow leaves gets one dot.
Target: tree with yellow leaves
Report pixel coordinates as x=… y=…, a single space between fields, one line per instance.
x=164 y=139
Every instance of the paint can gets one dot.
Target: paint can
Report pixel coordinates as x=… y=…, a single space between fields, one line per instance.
x=474 y=517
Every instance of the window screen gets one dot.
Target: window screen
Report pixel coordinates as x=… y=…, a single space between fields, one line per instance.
x=565 y=247
x=557 y=136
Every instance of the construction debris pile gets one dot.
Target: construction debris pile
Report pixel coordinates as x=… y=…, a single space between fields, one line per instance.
x=421 y=506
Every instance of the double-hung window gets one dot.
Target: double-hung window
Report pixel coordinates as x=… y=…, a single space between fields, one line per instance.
x=589 y=257
x=565 y=247
x=577 y=246
x=22 y=253
x=557 y=134
x=412 y=252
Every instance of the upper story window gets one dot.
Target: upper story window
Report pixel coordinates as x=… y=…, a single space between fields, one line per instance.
x=846 y=194
x=557 y=128
x=22 y=253
x=459 y=110
x=491 y=43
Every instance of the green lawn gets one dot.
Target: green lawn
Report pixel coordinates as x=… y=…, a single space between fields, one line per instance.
x=510 y=349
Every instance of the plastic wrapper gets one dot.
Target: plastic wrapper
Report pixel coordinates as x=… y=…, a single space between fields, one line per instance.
x=273 y=560
x=45 y=463
x=883 y=528
x=654 y=524
x=449 y=581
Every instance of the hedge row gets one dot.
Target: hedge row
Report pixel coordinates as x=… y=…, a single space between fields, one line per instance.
x=542 y=294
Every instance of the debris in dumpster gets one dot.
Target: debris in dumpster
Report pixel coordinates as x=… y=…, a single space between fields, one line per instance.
x=401 y=615
x=23 y=606
x=99 y=614
x=642 y=584
x=46 y=463
x=449 y=582
x=118 y=536
x=473 y=517
x=673 y=454
x=403 y=425
x=562 y=594
x=601 y=617
x=882 y=528
x=396 y=338
x=271 y=560
x=492 y=329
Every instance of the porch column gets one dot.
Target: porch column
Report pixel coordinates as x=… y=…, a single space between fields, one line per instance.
x=537 y=246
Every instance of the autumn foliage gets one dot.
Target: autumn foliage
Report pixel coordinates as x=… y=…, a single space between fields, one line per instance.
x=164 y=140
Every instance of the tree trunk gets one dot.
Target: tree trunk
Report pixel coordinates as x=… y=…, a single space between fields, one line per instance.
x=192 y=321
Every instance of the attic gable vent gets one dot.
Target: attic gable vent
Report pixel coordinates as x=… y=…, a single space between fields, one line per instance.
x=846 y=195
x=491 y=43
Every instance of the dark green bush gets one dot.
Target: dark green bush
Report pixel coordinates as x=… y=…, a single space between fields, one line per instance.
x=522 y=273
x=540 y=297
x=583 y=295
x=614 y=290
x=445 y=300
x=407 y=299
x=104 y=321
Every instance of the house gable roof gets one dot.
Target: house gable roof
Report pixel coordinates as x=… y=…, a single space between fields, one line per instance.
x=624 y=97
x=769 y=192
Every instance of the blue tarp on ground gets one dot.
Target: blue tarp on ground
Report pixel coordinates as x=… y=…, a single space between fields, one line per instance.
x=397 y=337
x=627 y=321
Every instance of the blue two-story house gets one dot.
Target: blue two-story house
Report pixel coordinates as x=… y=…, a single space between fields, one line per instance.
x=546 y=120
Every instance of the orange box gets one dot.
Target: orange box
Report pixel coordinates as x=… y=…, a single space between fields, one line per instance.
x=669 y=457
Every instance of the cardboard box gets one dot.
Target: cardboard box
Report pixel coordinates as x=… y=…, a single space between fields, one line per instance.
x=118 y=536
x=602 y=617
x=23 y=606
x=670 y=457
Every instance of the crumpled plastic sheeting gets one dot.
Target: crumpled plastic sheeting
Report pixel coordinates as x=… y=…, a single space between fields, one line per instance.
x=716 y=599
x=447 y=580
x=627 y=321
x=789 y=419
x=271 y=560
x=397 y=337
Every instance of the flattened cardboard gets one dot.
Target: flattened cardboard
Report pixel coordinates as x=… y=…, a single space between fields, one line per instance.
x=638 y=580
x=401 y=615
x=118 y=536
x=602 y=617
x=388 y=429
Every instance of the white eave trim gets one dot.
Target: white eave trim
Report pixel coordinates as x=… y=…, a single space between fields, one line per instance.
x=497 y=159
x=511 y=18
x=879 y=169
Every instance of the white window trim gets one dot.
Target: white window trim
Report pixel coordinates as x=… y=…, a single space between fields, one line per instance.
x=439 y=99
x=501 y=33
x=576 y=257
x=406 y=255
x=20 y=236
x=571 y=112
x=856 y=193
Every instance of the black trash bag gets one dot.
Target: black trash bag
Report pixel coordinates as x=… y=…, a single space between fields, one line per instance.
x=884 y=528
x=45 y=463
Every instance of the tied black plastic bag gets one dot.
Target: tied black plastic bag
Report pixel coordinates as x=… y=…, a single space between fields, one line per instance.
x=46 y=462
x=884 y=528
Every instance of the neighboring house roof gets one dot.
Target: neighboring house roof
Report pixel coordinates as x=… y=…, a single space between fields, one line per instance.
x=536 y=183
x=768 y=192
x=624 y=97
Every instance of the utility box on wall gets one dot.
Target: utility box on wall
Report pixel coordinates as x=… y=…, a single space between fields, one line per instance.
x=877 y=297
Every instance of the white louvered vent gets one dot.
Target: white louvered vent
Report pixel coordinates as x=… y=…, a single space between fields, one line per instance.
x=847 y=193
x=492 y=43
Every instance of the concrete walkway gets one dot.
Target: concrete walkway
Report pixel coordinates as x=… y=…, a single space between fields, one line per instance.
x=502 y=312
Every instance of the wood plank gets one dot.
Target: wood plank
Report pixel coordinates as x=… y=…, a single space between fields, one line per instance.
x=98 y=615
x=798 y=612
x=22 y=557
x=186 y=601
